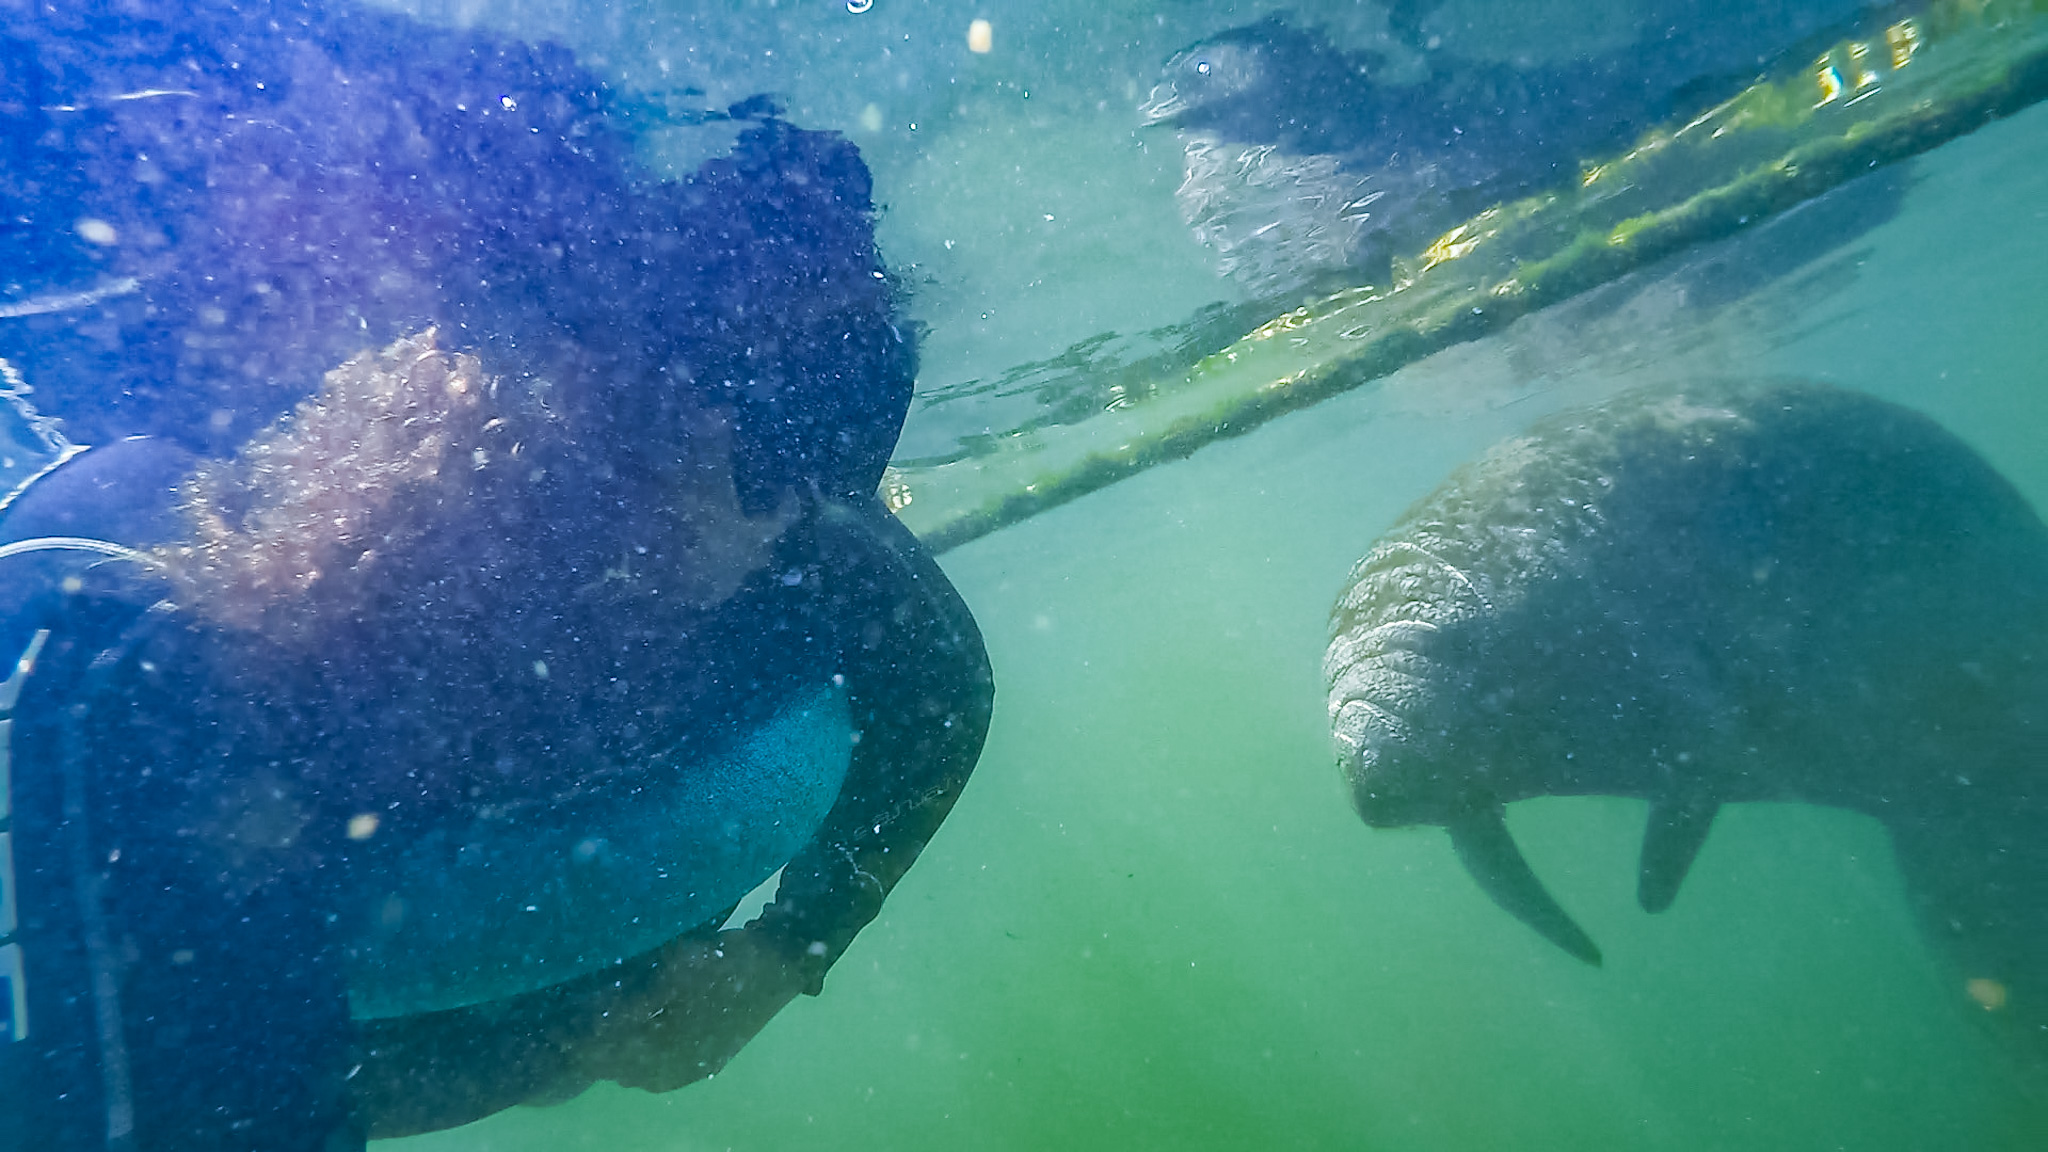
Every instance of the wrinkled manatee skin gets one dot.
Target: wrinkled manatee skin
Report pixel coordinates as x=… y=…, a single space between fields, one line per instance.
x=1723 y=593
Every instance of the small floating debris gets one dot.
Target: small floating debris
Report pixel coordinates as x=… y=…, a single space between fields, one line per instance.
x=1988 y=993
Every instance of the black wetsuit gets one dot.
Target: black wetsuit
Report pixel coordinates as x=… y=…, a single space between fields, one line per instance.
x=151 y=1005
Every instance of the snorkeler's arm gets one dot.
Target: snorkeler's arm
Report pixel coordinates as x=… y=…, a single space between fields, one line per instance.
x=921 y=692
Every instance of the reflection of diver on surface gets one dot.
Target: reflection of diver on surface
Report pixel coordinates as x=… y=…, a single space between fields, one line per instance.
x=1304 y=156
x=404 y=764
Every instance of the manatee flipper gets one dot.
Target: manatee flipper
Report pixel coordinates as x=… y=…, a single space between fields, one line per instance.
x=1676 y=828
x=1489 y=853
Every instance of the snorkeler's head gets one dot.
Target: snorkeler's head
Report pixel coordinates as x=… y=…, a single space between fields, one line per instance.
x=217 y=238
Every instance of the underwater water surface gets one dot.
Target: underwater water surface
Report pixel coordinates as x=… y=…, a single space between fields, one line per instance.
x=1153 y=921
x=1154 y=918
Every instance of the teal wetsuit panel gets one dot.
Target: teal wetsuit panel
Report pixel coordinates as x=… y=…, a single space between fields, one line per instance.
x=515 y=899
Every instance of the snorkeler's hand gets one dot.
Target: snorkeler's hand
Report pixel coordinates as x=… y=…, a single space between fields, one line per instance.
x=707 y=999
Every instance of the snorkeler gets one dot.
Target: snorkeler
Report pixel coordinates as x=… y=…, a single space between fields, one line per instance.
x=476 y=589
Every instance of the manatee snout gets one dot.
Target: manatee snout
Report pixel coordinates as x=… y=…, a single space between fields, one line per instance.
x=1203 y=84
x=1393 y=786
x=1383 y=803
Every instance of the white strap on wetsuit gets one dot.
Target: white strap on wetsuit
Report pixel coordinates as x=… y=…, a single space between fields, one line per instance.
x=12 y=966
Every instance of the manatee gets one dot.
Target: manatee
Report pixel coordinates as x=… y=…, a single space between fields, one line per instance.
x=1712 y=594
